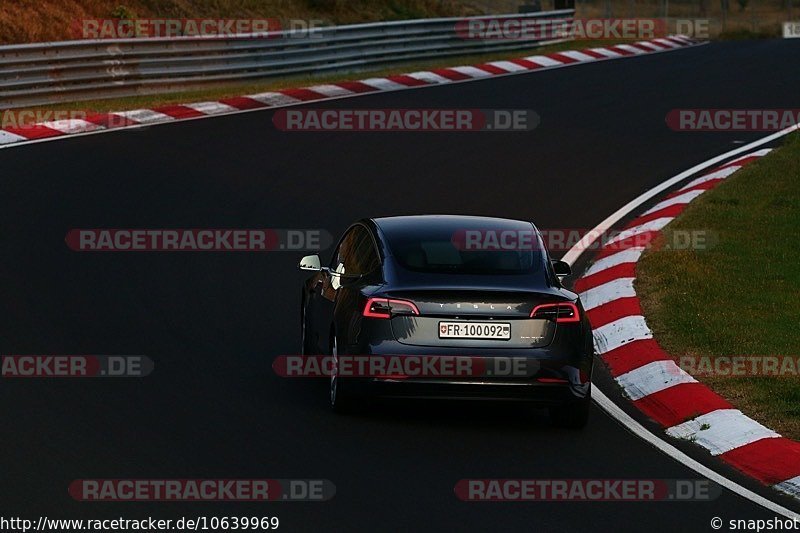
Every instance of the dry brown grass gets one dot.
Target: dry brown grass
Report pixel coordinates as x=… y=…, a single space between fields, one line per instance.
x=758 y=18
x=50 y=20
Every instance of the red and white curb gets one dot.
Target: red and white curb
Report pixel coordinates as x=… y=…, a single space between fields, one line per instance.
x=650 y=377
x=95 y=122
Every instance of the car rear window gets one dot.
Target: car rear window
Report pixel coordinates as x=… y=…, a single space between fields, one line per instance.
x=443 y=249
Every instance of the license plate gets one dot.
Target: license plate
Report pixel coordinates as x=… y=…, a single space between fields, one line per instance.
x=475 y=330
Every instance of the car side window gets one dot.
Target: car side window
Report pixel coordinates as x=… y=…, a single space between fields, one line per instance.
x=365 y=259
x=356 y=254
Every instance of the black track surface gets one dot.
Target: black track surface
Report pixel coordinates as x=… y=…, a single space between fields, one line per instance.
x=213 y=322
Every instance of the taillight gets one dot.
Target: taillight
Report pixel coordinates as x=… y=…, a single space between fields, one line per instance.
x=561 y=312
x=387 y=308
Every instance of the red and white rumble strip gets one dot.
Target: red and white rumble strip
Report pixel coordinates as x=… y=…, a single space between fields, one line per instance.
x=108 y=121
x=650 y=377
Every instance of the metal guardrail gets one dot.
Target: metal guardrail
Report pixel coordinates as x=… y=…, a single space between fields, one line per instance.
x=69 y=71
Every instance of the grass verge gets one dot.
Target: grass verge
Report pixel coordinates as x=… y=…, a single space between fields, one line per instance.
x=740 y=297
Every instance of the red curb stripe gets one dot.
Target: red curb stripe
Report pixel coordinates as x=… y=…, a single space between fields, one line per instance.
x=619 y=308
x=450 y=74
x=110 y=120
x=562 y=58
x=592 y=53
x=641 y=47
x=356 y=86
x=402 y=79
x=770 y=461
x=642 y=239
x=243 y=102
x=303 y=94
x=632 y=355
x=623 y=270
x=528 y=64
x=661 y=45
x=742 y=162
x=676 y=41
x=706 y=185
x=621 y=51
x=178 y=111
x=35 y=131
x=669 y=211
x=677 y=404
x=492 y=69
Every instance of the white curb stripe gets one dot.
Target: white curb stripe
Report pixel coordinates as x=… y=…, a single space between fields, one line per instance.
x=6 y=137
x=580 y=56
x=144 y=116
x=684 y=198
x=616 y=412
x=717 y=174
x=653 y=225
x=631 y=255
x=273 y=98
x=649 y=45
x=211 y=108
x=790 y=486
x=630 y=48
x=651 y=378
x=606 y=52
x=507 y=66
x=383 y=84
x=472 y=72
x=330 y=90
x=72 y=125
x=544 y=61
x=429 y=77
x=622 y=331
x=726 y=430
x=680 y=38
x=667 y=42
x=607 y=292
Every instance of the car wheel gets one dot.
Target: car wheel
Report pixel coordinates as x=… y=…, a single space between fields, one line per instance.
x=341 y=400
x=574 y=415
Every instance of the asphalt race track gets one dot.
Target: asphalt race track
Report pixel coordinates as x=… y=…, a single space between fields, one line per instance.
x=213 y=323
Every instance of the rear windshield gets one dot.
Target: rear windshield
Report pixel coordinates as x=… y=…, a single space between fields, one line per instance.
x=467 y=251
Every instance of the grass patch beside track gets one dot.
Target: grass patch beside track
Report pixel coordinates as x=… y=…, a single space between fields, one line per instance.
x=740 y=297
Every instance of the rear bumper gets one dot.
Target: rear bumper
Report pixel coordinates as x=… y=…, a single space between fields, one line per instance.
x=540 y=394
x=545 y=376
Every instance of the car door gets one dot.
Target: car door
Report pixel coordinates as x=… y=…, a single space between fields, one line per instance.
x=342 y=267
x=361 y=268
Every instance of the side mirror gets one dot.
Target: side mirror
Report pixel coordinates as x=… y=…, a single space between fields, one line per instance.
x=562 y=269
x=310 y=263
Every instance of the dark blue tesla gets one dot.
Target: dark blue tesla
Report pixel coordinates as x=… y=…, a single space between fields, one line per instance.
x=457 y=307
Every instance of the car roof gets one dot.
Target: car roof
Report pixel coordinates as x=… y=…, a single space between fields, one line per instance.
x=413 y=223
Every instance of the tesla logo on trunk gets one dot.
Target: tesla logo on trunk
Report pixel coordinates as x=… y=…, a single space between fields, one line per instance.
x=477 y=306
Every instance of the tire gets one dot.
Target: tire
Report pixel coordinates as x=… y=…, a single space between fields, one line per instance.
x=342 y=402
x=304 y=349
x=573 y=415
